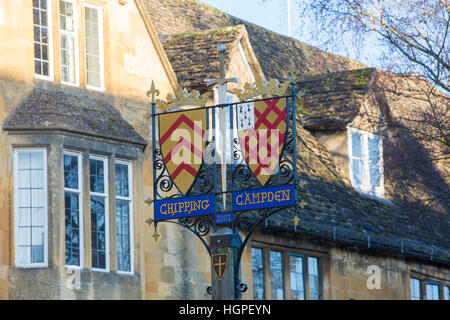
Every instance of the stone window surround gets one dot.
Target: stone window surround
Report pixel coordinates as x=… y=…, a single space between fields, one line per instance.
x=41 y=264
x=286 y=252
x=56 y=143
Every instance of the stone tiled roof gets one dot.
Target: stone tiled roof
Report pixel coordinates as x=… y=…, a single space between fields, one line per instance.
x=331 y=101
x=336 y=212
x=194 y=56
x=274 y=52
x=72 y=111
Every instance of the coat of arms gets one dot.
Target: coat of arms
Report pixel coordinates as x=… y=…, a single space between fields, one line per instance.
x=182 y=145
x=262 y=145
x=219 y=263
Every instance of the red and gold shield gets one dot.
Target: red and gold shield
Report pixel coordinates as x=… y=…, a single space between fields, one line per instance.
x=262 y=145
x=182 y=145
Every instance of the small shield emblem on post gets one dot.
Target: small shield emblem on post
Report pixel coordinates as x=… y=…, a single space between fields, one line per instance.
x=220 y=263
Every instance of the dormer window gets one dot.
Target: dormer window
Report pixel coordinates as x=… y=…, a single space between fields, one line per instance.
x=366 y=162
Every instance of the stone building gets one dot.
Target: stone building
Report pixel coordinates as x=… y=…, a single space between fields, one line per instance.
x=73 y=77
x=76 y=169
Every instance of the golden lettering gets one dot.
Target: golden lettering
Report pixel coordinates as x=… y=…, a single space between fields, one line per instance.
x=247 y=199
x=255 y=195
x=263 y=196
x=277 y=196
x=286 y=194
x=161 y=209
x=237 y=199
x=204 y=207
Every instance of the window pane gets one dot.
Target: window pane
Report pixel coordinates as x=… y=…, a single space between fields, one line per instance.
x=313 y=277
x=30 y=189
x=71 y=171
x=357 y=171
x=258 y=274
x=68 y=50
x=93 y=54
x=122 y=188
x=98 y=232
x=123 y=235
x=446 y=293
x=72 y=225
x=40 y=22
x=97 y=172
x=296 y=278
x=37 y=244
x=356 y=145
x=415 y=289
x=432 y=291
x=374 y=162
x=276 y=275
x=357 y=161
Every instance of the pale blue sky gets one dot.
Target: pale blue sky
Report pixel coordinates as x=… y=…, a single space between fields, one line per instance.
x=272 y=15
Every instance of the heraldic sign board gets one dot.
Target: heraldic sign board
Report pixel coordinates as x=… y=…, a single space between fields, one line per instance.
x=215 y=164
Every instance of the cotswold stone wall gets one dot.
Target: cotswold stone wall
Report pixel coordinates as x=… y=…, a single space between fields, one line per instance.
x=131 y=62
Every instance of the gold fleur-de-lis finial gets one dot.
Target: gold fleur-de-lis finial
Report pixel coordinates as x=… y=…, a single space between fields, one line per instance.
x=156 y=236
x=149 y=221
x=302 y=184
x=153 y=92
x=302 y=204
x=296 y=221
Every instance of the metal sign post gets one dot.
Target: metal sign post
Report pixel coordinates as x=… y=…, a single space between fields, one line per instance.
x=224 y=242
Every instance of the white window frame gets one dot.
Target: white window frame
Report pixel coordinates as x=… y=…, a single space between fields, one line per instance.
x=50 y=76
x=365 y=186
x=429 y=283
x=412 y=285
x=100 y=48
x=16 y=207
x=131 y=219
x=76 y=44
x=78 y=191
x=106 y=196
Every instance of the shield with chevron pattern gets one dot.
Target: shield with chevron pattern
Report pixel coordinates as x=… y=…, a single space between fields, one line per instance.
x=263 y=144
x=182 y=145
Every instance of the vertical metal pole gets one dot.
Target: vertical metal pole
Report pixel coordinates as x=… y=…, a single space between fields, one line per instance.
x=213 y=111
x=232 y=143
x=294 y=131
x=154 y=149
